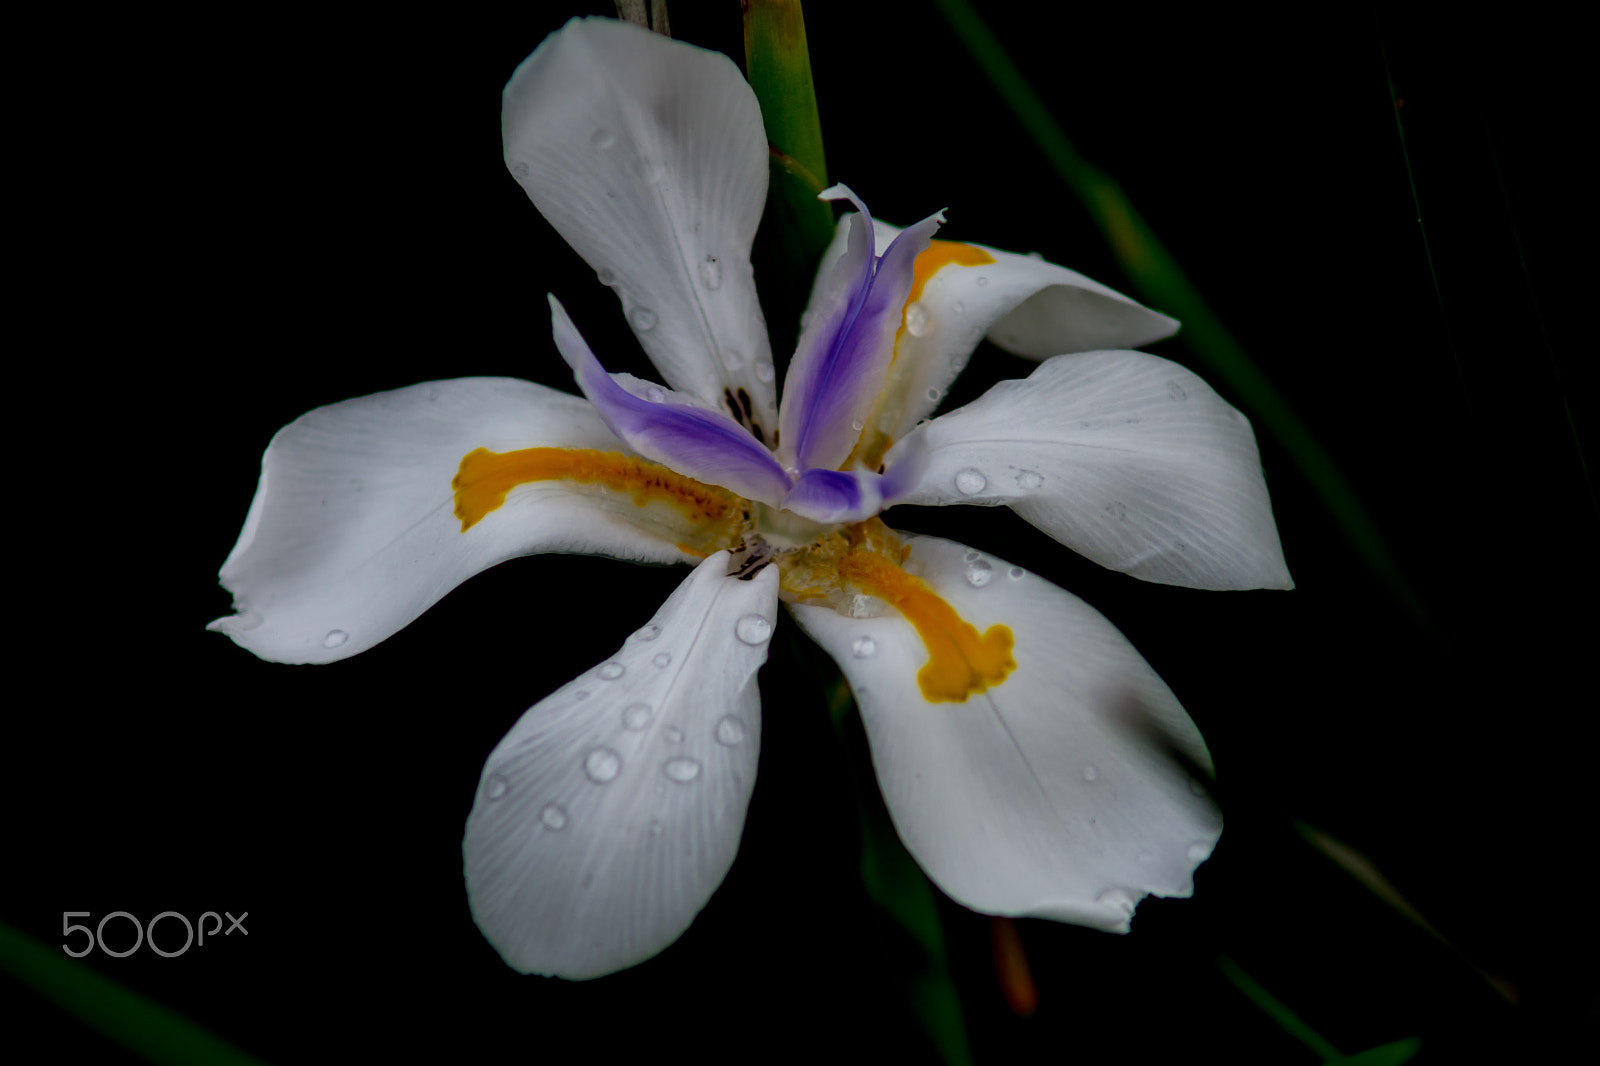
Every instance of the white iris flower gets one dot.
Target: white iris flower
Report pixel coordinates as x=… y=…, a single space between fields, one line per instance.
x=612 y=810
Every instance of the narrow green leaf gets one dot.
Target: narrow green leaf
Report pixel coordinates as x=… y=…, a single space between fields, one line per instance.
x=1161 y=283
x=796 y=228
x=139 y=1024
x=1273 y=1008
x=1400 y=1051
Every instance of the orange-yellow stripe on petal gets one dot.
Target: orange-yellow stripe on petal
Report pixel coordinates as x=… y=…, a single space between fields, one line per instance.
x=960 y=662
x=485 y=477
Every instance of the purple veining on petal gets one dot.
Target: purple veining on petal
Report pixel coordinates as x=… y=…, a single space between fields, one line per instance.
x=845 y=350
x=835 y=496
x=705 y=445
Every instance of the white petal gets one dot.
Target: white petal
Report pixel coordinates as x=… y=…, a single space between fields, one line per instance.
x=1126 y=458
x=1025 y=305
x=649 y=157
x=612 y=810
x=352 y=533
x=1034 y=797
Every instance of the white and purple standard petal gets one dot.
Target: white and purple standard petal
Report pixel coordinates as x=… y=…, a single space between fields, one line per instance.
x=705 y=445
x=848 y=343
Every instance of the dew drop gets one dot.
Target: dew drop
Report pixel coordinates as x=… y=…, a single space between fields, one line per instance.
x=979 y=573
x=1035 y=255
x=682 y=769
x=864 y=648
x=495 y=786
x=1029 y=479
x=970 y=482
x=982 y=280
x=729 y=731
x=916 y=319
x=642 y=319
x=655 y=395
x=1198 y=852
x=958 y=307
x=1116 y=897
x=933 y=394
x=553 y=817
x=753 y=629
x=673 y=734
x=972 y=556
x=603 y=139
x=612 y=671
x=335 y=638
x=1015 y=573
x=635 y=716
x=649 y=632
x=662 y=658
x=1176 y=391
x=519 y=171
x=711 y=273
x=857 y=425
x=607 y=276
x=1090 y=773
x=764 y=373
x=602 y=765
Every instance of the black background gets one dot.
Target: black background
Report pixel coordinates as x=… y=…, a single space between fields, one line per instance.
x=228 y=223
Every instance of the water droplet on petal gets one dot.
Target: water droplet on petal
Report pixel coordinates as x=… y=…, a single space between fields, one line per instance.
x=1117 y=898
x=519 y=170
x=612 y=671
x=1198 y=852
x=1029 y=479
x=1176 y=391
x=673 y=734
x=1014 y=573
x=607 y=276
x=916 y=319
x=857 y=425
x=635 y=716
x=958 y=307
x=753 y=629
x=1035 y=255
x=662 y=658
x=642 y=319
x=649 y=632
x=764 y=373
x=711 y=273
x=864 y=648
x=682 y=769
x=603 y=138
x=495 y=786
x=335 y=638
x=602 y=765
x=970 y=482
x=979 y=573
x=553 y=817
x=655 y=395
x=729 y=731
x=1090 y=773
x=933 y=394
x=982 y=280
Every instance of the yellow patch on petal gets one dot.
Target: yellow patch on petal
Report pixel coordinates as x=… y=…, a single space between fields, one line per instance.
x=485 y=477
x=868 y=556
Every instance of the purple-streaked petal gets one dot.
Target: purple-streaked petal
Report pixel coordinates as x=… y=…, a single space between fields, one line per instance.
x=833 y=496
x=705 y=445
x=848 y=342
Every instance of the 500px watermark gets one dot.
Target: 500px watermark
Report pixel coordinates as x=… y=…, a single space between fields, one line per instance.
x=145 y=932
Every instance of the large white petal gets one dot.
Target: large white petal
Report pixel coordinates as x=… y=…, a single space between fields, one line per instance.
x=1039 y=796
x=649 y=157
x=1023 y=304
x=612 y=810
x=1126 y=458
x=352 y=533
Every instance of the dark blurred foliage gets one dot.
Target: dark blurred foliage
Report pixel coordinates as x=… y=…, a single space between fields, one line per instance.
x=235 y=217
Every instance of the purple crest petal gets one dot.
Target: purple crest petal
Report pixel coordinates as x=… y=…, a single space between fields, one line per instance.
x=835 y=496
x=845 y=349
x=705 y=445
x=908 y=462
